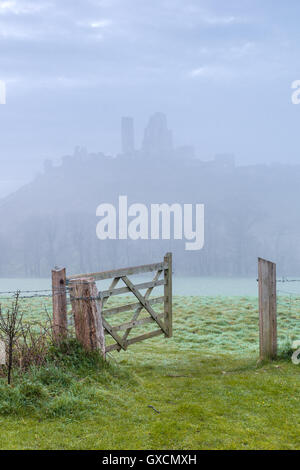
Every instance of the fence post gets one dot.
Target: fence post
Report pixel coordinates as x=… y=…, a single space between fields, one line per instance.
x=87 y=314
x=59 y=302
x=168 y=295
x=267 y=309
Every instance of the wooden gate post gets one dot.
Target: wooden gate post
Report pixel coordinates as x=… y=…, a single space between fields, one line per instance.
x=59 y=303
x=168 y=295
x=87 y=314
x=267 y=309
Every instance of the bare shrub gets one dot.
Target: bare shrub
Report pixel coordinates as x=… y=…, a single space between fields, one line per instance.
x=33 y=344
x=26 y=343
x=10 y=328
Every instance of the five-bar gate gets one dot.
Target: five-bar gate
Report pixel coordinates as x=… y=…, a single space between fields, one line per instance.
x=88 y=304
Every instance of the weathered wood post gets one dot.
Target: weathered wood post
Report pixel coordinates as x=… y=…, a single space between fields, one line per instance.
x=87 y=314
x=168 y=295
x=267 y=309
x=59 y=302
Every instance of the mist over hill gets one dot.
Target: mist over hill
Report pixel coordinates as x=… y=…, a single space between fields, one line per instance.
x=250 y=211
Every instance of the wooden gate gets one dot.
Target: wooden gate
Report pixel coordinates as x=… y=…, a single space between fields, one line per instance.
x=121 y=283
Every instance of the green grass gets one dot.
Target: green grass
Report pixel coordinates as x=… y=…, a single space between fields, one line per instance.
x=205 y=382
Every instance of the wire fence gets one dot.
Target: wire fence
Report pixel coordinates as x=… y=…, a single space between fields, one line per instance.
x=288 y=310
x=291 y=292
x=288 y=300
x=35 y=304
x=33 y=294
x=288 y=296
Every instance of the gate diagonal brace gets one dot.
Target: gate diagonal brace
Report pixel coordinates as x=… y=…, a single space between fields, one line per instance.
x=115 y=336
x=144 y=302
x=106 y=325
x=139 y=309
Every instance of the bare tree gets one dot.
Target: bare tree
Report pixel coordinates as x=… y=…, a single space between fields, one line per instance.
x=10 y=328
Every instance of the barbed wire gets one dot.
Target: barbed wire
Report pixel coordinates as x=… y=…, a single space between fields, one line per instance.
x=27 y=297
x=283 y=280
x=42 y=293
x=24 y=291
x=58 y=290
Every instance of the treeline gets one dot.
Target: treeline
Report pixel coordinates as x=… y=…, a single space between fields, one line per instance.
x=249 y=212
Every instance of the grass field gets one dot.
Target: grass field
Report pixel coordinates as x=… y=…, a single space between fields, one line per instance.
x=205 y=382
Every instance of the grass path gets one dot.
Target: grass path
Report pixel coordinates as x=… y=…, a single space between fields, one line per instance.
x=209 y=391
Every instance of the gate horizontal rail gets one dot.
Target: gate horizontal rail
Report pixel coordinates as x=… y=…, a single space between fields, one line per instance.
x=126 y=308
x=100 y=276
x=124 y=290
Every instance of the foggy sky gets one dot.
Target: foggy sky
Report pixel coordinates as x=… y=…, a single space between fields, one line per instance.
x=221 y=71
